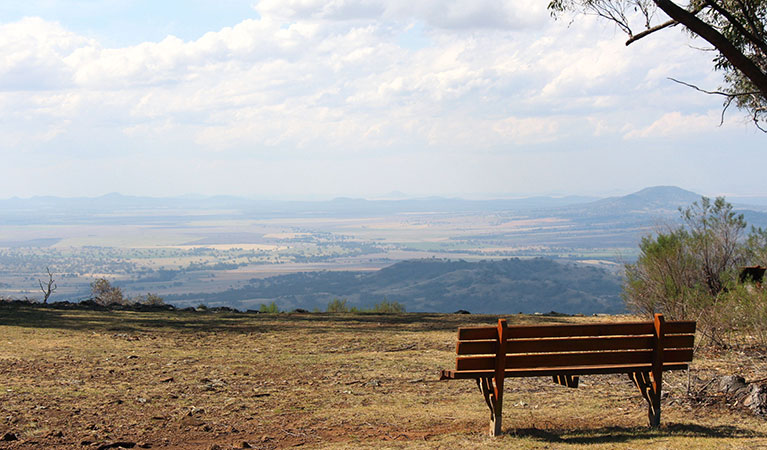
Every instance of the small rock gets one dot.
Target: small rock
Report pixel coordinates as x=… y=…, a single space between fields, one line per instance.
x=756 y=399
x=132 y=357
x=7 y=437
x=122 y=444
x=144 y=445
x=189 y=421
x=245 y=444
x=166 y=380
x=732 y=384
x=214 y=447
x=750 y=395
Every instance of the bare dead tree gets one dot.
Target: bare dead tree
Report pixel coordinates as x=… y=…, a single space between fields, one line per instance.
x=49 y=287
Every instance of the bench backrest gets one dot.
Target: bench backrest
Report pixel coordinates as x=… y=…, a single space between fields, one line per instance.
x=567 y=346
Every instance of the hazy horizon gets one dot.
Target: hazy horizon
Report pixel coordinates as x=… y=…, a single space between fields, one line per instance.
x=403 y=195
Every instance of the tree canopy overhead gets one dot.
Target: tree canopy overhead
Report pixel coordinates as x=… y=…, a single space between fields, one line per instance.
x=735 y=29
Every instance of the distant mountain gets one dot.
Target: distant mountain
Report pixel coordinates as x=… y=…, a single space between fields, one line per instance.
x=506 y=286
x=130 y=209
x=651 y=199
x=582 y=221
x=117 y=208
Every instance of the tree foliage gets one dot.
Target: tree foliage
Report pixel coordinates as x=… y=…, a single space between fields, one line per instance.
x=691 y=272
x=387 y=307
x=105 y=294
x=735 y=29
x=271 y=308
x=150 y=300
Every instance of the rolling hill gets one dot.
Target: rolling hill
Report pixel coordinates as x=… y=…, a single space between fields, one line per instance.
x=505 y=286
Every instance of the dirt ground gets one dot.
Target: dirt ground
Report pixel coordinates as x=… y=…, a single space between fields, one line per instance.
x=178 y=380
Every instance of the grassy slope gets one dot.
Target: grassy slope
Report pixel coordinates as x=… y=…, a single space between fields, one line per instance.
x=185 y=380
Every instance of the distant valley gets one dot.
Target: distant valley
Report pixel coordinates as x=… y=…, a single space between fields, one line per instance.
x=228 y=250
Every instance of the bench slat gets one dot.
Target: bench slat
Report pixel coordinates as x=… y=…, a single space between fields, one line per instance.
x=548 y=371
x=594 y=358
x=477 y=333
x=679 y=327
x=559 y=330
x=558 y=345
x=571 y=359
x=597 y=329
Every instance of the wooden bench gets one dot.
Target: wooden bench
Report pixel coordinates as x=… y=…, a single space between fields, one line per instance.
x=643 y=350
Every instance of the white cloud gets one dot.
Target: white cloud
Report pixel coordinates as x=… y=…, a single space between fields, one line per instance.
x=528 y=129
x=330 y=81
x=31 y=51
x=460 y=14
x=676 y=124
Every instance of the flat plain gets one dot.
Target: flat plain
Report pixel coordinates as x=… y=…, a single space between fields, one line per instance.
x=74 y=379
x=193 y=256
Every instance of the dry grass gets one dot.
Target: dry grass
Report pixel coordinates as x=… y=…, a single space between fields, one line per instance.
x=186 y=380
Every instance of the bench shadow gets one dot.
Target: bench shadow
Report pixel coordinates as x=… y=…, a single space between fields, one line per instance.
x=607 y=435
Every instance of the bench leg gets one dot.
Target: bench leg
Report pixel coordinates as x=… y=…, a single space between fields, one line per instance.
x=566 y=380
x=496 y=413
x=643 y=381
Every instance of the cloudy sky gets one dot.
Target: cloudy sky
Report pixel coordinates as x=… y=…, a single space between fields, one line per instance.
x=316 y=99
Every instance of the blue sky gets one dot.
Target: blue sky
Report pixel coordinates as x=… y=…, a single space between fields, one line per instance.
x=316 y=99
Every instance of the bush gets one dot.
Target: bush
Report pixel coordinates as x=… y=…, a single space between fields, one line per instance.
x=105 y=294
x=271 y=308
x=691 y=272
x=150 y=300
x=388 y=307
x=338 y=305
x=740 y=316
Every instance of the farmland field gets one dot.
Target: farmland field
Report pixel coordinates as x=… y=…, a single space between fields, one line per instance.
x=180 y=380
x=200 y=256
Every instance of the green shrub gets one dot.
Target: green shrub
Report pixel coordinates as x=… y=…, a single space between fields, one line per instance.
x=105 y=294
x=150 y=300
x=338 y=305
x=691 y=272
x=271 y=308
x=388 y=307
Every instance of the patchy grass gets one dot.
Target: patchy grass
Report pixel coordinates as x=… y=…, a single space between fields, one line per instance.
x=70 y=379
